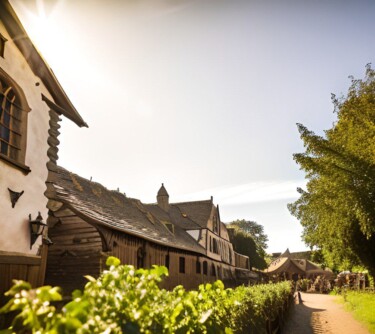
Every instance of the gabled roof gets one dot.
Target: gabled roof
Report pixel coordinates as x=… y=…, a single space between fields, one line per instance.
x=61 y=104
x=198 y=211
x=286 y=253
x=99 y=206
x=174 y=215
x=286 y=263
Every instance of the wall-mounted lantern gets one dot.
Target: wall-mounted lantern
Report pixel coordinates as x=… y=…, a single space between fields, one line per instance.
x=36 y=228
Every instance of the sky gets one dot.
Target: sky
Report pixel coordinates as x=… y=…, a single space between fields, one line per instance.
x=203 y=96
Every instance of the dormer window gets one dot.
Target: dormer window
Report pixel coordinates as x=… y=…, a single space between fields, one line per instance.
x=2 y=45
x=13 y=122
x=169 y=226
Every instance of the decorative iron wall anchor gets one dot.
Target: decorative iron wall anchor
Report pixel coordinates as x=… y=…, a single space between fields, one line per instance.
x=14 y=196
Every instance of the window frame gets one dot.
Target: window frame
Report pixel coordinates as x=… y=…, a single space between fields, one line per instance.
x=3 y=40
x=181 y=265
x=205 y=268
x=198 y=267
x=22 y=105
x=167 y=261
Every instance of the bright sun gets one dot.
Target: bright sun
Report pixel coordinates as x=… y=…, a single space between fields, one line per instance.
x=42 y=28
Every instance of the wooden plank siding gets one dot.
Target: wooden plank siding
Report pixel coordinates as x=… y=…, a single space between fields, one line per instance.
x=80 y=248
x=76 y=252
x=20 y=267
x=242 y=261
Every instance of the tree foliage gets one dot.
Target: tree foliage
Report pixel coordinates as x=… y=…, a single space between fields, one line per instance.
x=337 y=210
x=249 y=239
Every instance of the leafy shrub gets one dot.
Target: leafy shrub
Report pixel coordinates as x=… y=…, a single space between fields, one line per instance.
x=126 y=300
x=303 y=284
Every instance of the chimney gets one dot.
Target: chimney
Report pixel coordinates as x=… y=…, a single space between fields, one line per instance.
x=163 y=198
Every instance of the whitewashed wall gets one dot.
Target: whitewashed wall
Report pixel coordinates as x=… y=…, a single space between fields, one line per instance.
x=14 y=226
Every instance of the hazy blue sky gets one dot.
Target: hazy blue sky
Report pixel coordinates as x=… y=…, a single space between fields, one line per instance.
x=201 y=95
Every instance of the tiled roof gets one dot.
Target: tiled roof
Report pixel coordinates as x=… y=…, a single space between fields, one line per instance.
x=174 y=215
x=96 y=204
x=198 y=211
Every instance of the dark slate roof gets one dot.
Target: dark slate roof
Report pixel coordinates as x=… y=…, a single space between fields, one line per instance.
x=198 y=211
x=93 y=202
x=174 y=215
x=162 y=191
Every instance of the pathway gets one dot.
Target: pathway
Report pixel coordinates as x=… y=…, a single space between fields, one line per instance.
x=321 y=314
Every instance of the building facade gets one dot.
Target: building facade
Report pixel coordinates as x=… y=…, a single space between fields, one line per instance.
x=85 y=221
x=31 y=101
x=88 y=223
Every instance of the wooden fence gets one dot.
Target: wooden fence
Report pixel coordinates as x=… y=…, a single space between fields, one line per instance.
x=20 y=266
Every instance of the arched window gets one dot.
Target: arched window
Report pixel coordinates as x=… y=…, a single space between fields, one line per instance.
x=13 y=122
x=213 y=270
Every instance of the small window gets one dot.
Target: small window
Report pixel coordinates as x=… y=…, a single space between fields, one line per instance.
x=2 y=45
x=210 y=244
x=182 y=265
x=213 y=270
x=167 y=261
x=205 y=267
x=169 y=226
x=215 y=224
x=215 y=247
x=198 y=267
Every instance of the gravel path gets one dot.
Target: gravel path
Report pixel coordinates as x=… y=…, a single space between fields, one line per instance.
x=320 y=314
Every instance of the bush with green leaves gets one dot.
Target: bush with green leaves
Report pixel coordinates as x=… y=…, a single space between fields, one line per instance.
x=128 y=300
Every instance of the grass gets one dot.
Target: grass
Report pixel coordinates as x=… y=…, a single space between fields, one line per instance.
x=362 y=305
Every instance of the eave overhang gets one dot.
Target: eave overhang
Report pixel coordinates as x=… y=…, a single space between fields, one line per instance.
x=37 y=64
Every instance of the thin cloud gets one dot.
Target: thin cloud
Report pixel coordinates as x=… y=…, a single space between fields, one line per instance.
x=255 y=192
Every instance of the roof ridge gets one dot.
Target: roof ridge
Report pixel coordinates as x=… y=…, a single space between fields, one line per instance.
x=188 y=202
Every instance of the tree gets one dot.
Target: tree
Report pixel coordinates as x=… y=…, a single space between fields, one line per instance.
x=254 y=229
x=337 y=210
x=249 y=239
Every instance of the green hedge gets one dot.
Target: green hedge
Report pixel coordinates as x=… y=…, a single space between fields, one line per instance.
x=126 y=300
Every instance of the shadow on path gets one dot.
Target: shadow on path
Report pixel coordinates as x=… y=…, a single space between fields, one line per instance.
x=303 y=320
x=320 y=314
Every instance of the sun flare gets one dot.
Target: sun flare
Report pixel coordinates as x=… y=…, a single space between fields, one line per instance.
x=42 y=26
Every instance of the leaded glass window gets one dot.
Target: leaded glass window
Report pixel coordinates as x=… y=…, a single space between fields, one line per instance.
x=10 y=122
x=13 y=122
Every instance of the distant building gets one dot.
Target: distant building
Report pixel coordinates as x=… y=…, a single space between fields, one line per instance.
x=286 y=266
x=88 y=222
